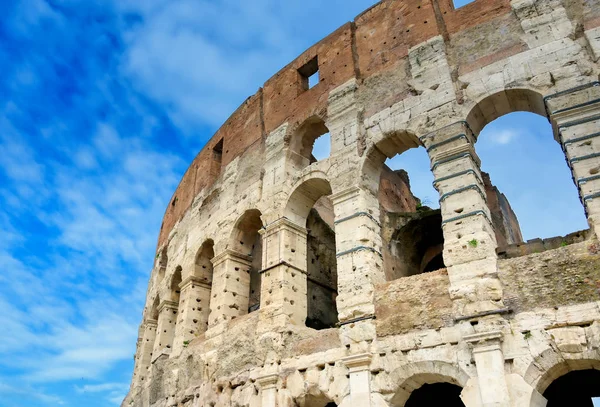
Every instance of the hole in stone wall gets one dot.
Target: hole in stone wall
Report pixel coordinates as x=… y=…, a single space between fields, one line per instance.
x=528 y=166
x=217 y=160
x=309 y=74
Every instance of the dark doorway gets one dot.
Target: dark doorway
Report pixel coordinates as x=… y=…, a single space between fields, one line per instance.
x=575 y=389
x=437 y=394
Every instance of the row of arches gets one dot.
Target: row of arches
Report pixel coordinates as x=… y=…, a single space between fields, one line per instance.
x=310 y=210
x=449 y=386
x=412 y=232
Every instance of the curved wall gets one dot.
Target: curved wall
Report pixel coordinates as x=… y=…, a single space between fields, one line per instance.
x=405 y=74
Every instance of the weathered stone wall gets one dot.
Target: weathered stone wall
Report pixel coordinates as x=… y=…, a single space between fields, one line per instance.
x=405 y=74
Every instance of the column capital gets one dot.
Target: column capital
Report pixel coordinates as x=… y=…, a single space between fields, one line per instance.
x=344 y=195
x=485 y=341
x=167 y=305
x=283 y=223
x=229 y=254
x=448 y=135
x=194 y=280
x=358 y=363
x=150 y=323
x=268 y=382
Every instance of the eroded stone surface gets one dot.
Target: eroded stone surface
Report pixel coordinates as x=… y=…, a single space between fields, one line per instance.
x=226 y=326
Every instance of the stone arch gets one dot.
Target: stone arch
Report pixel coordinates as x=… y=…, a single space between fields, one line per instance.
x=551 y=364
x=386 y=146
x=492 y=106
x=162 y=261
x=203 y=267
x=303 y=138
x=153 y=311
x=484 y=111
x=400 y=212
x=247 y=241
x=314 y=400
x=309 y=207
x=414 y=376
x=174 y=289
x=304 y=196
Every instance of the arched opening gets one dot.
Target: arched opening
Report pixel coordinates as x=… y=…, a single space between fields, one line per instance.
x=175 y=282
x=439 y=381
x=247 y=241
x=163 y=259
x=575 y=389
x=203 y=270
x=309 y=206
x=153 y=314
x=418 y=245
x=411 y=225
x=310 y=143
x=312 y=400
x=518 y=153
x=203 y=267
x=436 y=394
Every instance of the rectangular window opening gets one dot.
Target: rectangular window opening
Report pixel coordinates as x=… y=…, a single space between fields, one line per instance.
x=461 y=3
x=217 y=157
x=309 y=73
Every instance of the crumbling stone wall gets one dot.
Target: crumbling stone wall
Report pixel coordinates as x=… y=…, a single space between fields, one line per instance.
x=502 y=325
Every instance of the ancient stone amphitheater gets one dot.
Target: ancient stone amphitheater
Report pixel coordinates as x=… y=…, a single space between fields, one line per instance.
x=285 y=281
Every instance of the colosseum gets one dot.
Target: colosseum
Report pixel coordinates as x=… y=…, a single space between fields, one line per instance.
x=285 y=281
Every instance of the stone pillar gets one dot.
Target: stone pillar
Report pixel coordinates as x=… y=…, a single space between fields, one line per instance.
x=283 y=283
x=145 y=349
x=489 y=360
x=268 y=385
x=231 y=287
x=193 y=311
x=575 y=117
x=358 y=247
x=359 y=263
x=360 y=380
x=165 y=331
x=469 y=238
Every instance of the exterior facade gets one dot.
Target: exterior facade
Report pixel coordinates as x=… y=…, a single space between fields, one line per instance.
x=283 y=281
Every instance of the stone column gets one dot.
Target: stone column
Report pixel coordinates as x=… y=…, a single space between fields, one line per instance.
x=489 y=360
x=575 y=116
x=193 y=311
x=283 y=283
x=359 y=262
x=231 y=288
x=145 y=350
x=469 y=238
x=268 y=385
x=165 y=331
x=360 y=380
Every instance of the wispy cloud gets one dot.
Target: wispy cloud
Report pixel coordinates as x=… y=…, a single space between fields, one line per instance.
x=102 y=106
x=503 y=136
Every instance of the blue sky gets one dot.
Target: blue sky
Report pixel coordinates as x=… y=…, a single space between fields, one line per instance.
x=103 y=104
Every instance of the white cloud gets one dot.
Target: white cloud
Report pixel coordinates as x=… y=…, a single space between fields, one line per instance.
x=74 y=314
x=95 y=388
x=23 y=392
x=502 y=136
